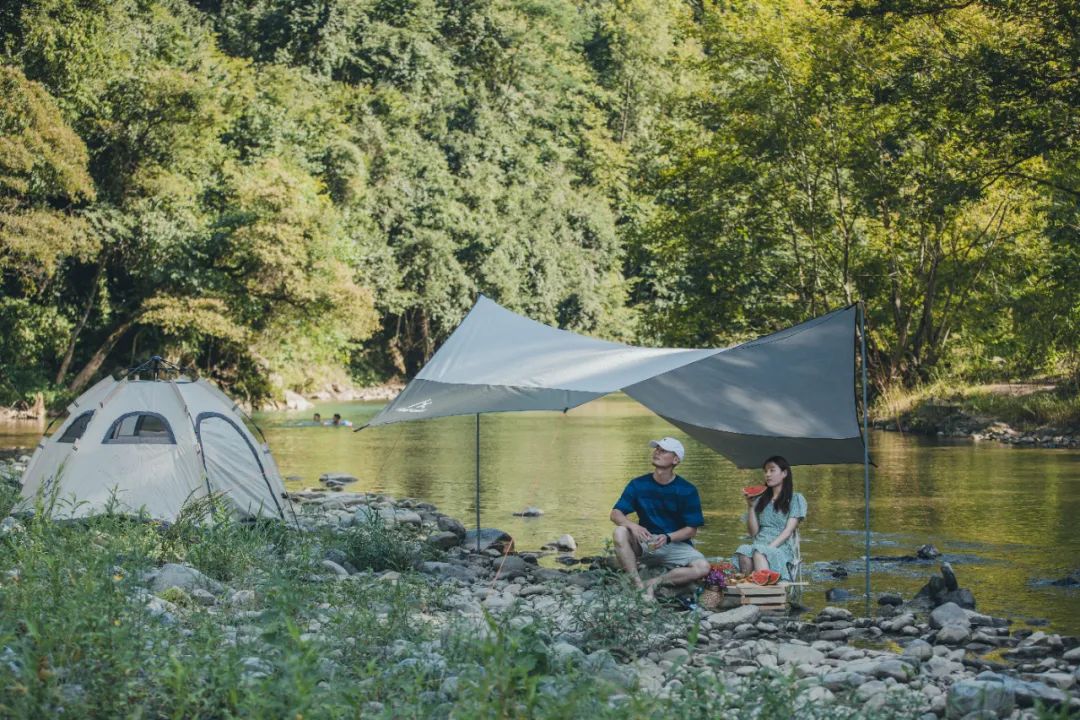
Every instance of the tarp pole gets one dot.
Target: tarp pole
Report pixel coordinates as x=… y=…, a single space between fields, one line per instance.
x=866 y=449
x=478 y=482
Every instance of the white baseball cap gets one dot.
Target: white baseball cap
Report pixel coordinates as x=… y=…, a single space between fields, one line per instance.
x=671 y=445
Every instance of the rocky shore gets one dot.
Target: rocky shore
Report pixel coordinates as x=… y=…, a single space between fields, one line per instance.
x=927 y=657
x=949 y=420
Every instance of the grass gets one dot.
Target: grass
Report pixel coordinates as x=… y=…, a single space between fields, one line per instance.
x=81 y=636
x=1058 y=407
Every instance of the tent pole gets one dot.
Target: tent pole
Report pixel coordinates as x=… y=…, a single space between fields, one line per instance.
x=866 y=449
x=478 y=482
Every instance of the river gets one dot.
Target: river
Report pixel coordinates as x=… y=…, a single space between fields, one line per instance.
x=1005 y=517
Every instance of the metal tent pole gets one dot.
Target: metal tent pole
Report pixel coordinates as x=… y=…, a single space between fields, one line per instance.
x=477 y=482
x=866 y=449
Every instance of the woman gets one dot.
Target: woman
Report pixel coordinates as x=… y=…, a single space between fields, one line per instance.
x=772 y=519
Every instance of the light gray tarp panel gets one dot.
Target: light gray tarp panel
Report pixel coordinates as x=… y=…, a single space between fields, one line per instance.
x=791 y=393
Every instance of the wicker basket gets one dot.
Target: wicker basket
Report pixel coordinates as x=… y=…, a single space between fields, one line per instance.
x=711 y=597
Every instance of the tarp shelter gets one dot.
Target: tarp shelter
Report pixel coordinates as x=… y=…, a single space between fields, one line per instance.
x=791 y=393
x=151 y=446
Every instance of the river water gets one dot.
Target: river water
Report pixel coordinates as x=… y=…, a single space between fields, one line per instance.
x=1008 y=519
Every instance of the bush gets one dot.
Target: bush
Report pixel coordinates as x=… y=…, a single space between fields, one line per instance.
x=372 y=545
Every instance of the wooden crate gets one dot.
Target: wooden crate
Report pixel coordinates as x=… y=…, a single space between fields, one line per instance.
x=767 y=597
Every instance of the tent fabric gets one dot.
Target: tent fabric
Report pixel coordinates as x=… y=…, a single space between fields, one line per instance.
x=791 y=393
x=156 y=472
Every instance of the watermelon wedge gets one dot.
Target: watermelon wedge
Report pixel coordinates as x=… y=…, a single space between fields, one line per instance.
x=753 y=490
x=760 y=577
x=774 y=577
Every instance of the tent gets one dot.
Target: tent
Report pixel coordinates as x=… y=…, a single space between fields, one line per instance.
x=791 y=393
x=152 y=445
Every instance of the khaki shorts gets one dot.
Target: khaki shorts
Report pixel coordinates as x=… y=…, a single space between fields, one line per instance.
x=672 y=555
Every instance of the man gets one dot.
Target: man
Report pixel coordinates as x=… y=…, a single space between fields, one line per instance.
x=668 y=512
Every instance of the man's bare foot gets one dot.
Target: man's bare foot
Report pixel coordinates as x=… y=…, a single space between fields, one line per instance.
x=650 y=589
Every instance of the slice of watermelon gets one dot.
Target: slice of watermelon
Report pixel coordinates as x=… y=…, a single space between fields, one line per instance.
x=760 y=577
x=753 y=490
x=774 y=577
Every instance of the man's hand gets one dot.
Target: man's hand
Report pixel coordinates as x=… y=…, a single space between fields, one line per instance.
x=641 y=534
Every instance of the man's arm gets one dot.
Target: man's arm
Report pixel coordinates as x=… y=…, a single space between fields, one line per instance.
x=619 y=518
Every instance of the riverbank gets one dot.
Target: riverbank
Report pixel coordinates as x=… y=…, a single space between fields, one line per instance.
x=1024 y=414
x=381 y=606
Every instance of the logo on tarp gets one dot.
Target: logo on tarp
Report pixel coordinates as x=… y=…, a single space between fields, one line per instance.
x=416 y=407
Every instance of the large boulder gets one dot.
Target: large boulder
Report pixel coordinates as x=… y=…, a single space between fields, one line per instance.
x=489 y=537
x=949 y=614
x=986 y=696
x=732 y=618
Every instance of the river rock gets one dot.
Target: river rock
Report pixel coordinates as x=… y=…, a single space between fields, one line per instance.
x=791 y=654
x=566 y=542
x=951 y=585
x=962 y=597
x=465 y=573
x=184 y=577
x=838 y=595
x=893 y=599
x=1026 y=693
x=953 y=633
x=969 y=696
x=733 y=618
x=1070 y=580
x=511 y=567
x=949 y=613
x=337 y=480
x=842 y=680
x=919 y=650
x=927 y=552
x=449 y=524
x=489 y=537
x=444 y=539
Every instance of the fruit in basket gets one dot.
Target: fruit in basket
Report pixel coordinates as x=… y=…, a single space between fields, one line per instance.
x=753 y=490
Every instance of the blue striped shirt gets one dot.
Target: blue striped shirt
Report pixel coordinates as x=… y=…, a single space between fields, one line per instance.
x=662 y=508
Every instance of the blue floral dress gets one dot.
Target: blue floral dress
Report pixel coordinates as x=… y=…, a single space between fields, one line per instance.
x=770 y=524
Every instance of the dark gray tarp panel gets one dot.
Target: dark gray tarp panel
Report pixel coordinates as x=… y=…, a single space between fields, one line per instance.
x=798 y=383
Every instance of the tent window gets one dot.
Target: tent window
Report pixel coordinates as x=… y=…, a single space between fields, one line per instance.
x=141 y=429
x=76 y=429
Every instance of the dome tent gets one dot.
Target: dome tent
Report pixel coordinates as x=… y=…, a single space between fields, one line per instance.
x=150 y=446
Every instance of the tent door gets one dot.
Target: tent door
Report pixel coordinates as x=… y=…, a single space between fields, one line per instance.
x=233 y=466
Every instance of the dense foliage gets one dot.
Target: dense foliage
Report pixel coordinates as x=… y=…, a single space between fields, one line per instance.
x=272 y=191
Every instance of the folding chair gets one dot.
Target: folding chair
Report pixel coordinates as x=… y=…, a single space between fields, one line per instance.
x=795 y=567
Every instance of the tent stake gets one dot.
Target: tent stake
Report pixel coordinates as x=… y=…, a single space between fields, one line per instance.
x=477 y=482
x=866 y=449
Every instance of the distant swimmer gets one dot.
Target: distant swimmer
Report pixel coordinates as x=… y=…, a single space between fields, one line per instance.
x=338 y=422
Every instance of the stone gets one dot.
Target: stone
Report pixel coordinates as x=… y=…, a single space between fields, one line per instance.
x=530 y=511
x=488 y=538
x=334 y=568
x=184 y=577
x=919 y=650
x=896 y=669
x=869 y=689
x=203 y=597
x=563 y=652
x=962 y=597
x=242 y=597
x=927 y=552
x=676 y=655
x=954 y=633
x=834 y=613
x=838 y=595
x=408 y=517
x=733 y=618
x=337 y=480
x=890 y=599
x=842 y=680
x=814 y=695
x=449 y=524
x=791 y=654
x=566 y=542
x=511 y=567
x=968 y=696
x=951 y=585
x=1072 y=655
x=450 y=570
x=444 y=539
x=948 y=613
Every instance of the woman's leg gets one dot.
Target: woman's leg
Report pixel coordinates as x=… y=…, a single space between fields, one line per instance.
x=760 y=561
x=746 y=566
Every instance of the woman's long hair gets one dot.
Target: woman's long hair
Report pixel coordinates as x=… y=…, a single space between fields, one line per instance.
x=783 y=503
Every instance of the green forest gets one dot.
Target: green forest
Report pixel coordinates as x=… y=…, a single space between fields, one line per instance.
x=277 y=191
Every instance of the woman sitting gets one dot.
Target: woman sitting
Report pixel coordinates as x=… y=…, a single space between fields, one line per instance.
x=772 y=518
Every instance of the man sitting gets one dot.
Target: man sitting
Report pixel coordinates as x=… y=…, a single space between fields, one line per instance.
x=669 y=514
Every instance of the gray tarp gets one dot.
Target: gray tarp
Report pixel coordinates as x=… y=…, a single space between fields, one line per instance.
x=791 y=393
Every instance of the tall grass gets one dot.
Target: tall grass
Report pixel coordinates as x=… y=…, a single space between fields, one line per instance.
x=1058 y=407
